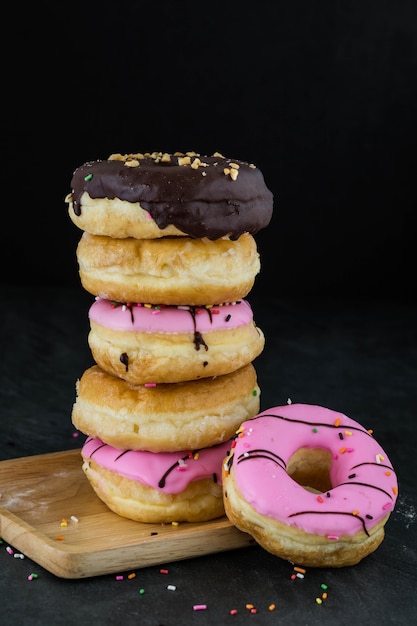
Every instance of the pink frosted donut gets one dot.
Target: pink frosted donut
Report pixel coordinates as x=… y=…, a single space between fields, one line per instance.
x=157 y=487
x=310 y=485
x=169 y=344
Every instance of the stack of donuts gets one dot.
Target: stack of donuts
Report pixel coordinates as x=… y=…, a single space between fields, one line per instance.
x=168 y=252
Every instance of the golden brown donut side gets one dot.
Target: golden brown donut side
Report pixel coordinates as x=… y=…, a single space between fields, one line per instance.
x=118 y=218
x=170 y=270
x=168 y=417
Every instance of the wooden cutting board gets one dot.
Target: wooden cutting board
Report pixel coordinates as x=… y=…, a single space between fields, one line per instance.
x=38 y=492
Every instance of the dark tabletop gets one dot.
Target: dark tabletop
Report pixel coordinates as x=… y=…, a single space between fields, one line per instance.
x=358 y=357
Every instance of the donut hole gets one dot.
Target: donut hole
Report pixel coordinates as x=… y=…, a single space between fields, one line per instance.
x=310 y=468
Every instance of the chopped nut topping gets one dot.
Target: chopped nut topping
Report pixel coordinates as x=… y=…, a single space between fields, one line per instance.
x=218 y=155
x=115 y=157
x=131 y=163
x=184 y=160
x=234 y=165
x=233 y=173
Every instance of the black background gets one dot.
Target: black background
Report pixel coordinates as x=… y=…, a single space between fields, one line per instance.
x=322 y=96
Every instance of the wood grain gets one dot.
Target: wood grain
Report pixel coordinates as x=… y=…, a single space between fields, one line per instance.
x=38 y=492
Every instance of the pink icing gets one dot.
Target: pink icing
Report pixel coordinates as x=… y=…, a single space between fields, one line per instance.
x=364 y=482
x=170 y=472
x=170 y=319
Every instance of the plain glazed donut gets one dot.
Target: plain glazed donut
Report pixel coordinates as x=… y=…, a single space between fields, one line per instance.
x=171 y=270
x=170 y=344
x=311 y=485
x=157 y=194
x=166 y=417
x=157 y=488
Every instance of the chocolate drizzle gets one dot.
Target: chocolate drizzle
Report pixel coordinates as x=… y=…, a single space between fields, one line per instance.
x=124 y=358
x=332 y=513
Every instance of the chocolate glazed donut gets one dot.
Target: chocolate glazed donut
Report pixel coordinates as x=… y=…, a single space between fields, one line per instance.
x=201 y=196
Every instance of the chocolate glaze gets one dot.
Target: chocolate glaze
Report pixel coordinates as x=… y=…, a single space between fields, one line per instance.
x=200 y=202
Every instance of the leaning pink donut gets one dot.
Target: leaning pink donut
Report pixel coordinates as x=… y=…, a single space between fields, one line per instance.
x=310 y=484
x=165 y=487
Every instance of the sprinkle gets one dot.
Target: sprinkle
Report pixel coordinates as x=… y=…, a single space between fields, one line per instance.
x=324 y=595
x=320 y=499
x=352 y=476
x=9 y=550
x=319 y=601
x=215 y=311
x=355 y=512
x=163 y=571
x=75 y=435
x=147 y=306
x=64 y=522
x=150 y=384
x=333 y=537
x=19 y=555
x=156 y=311
x=348 y=433
x=395 y=490
x=340 y=435
x=249 y=606
x=301 y=570
x=88 y=177
x=350 y=450
x=59 y=538
x=300 y=575
x=289 y=401
x=132 y=575
x=228 y=318
x=253 y=611
x=315 y=430
x=387 y=473
x=141 y=591
x=342 y=450
x=324 y=586
x=337 y=422
x=199 y=607
x=293 y=576
x=386 y=506
x=175 y=524
x=271 y=607
x=379 y=458
x=119 y=577
x=233 y=611
x=171 y=587
x=33 y=576
x=74 y=519
x=255 y=392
